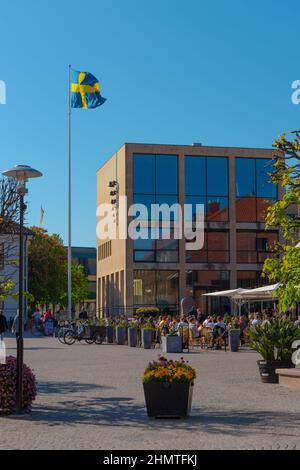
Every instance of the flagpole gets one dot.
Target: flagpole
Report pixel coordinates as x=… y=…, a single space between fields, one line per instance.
x=70 y=209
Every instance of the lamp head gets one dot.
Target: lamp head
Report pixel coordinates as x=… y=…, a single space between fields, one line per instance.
x=22 y=173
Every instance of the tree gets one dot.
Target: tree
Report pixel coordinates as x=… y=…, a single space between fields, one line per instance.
x=285 y=266
x=48 y=271
x=80 y=286
x=9 y=218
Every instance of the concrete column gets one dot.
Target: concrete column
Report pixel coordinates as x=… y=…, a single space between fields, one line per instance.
x=232 y=224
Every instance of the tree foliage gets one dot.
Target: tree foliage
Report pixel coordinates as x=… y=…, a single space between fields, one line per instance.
x=48 y=271
x=9 y=218
x=285 y=267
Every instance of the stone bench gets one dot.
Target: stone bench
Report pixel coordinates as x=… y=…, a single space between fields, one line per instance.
x=289 y=378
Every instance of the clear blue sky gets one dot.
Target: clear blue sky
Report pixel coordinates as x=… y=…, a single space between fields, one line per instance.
x=173 y=71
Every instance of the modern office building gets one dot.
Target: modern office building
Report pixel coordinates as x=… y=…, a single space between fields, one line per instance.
x=234 y=186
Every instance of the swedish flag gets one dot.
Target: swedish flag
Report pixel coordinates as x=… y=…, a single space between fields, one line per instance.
x=85 y=90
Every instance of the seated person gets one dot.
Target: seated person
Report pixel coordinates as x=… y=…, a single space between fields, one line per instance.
x=208 y=323
x=193 y=327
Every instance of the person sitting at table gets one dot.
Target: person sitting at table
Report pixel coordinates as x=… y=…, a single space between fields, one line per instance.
x=193 y=327
x=208 y=323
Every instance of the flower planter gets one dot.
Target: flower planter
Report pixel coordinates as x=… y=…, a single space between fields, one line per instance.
x=110 y=334
x=147 y=336
x=267 y=370
x=168 y=400
x=171 y=344
x=234 y=340
x=132 y=337
x=120 y=334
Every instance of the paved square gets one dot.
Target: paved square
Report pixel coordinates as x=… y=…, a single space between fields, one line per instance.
x=91 y=397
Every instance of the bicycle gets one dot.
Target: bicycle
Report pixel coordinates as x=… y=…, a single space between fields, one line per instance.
x=64 y=329
x=79 y=334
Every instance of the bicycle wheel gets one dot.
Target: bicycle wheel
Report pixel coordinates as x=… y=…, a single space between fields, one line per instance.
x=89 y=340
x=69 y=337
x=98 y=338
x=61 y=334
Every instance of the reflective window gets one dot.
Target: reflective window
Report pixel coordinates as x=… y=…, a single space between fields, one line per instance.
x=163 y=256
x=217 y=176
x=190 y=213
x=255 y=247
x=156 y=288
x=144 y=287
x=144 y=173
x=265 y=188
x=167 y=288
x=144 y=256
x=166 y=174
x=254 y=190
x=217 y=209
x=195 y=176
x=215 y=249
x=245 y=177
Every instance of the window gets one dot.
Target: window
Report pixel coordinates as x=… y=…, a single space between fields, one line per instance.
x=157 y=248
x=254 y=190
x=166 y=174
x=206 y=182
x=144 y=173
x=195 y=176
x=217 y=176
x=249 y=279
x=245 y=177
x=159 y=288
x=162 y=189
x=215 y=249
x=255 y=247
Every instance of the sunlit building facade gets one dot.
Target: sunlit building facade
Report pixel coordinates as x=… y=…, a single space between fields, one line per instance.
x=232 y=184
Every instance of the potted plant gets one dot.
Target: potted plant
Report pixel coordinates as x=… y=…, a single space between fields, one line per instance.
x=110 y=331
x=8 y=386
x=273 y=341
x=132 y=334
x=121 y=332
x=148 y=311
x=171 y=343
x=234 y=335
x=168 y=388
x=148 y=331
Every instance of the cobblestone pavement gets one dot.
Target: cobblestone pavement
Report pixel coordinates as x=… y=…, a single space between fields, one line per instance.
x=91 y=397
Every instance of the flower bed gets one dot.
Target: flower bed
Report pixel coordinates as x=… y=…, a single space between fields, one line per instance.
x=8 y=385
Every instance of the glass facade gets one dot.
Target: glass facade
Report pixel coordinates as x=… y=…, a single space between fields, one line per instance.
x=215 y=249
x=87 y=258
x=254 y=190
x=160 y=172
x=254 y=247
x=206 y=182
x=155 y=288
x=202 y=282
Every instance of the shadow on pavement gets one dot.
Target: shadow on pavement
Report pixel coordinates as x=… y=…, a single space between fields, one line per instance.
x=123 y=412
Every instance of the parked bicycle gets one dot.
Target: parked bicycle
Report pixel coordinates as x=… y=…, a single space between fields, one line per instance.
x=83 y=332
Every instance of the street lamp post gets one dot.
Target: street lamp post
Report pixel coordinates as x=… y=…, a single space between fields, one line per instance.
x=21 y=173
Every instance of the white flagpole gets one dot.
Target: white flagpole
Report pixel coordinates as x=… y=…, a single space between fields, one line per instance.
x=70 y=211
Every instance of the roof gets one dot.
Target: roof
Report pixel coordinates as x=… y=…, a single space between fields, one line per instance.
x=13 y=228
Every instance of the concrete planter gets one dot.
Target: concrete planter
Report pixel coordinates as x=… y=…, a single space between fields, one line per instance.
x=171 y=344
x=267 y=370
x=234 y=340
x=168 y=400
x=147 y=336
x=132 y=337
x=120 y=334
x=110 y=334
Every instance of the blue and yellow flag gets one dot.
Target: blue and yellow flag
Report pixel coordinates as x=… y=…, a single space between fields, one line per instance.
x=85 y=90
